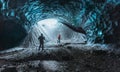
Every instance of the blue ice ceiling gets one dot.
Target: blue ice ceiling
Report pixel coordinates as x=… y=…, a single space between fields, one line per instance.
x=100 y=19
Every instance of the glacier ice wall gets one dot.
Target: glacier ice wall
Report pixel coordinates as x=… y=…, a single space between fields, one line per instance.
x=99 y=19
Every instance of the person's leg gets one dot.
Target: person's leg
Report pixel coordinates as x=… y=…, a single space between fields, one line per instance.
x=43 y=46
x=59 y=40
x=39 y=46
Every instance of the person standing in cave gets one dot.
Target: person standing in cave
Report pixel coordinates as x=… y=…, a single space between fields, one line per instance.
x=41 y=40
x=59 y=38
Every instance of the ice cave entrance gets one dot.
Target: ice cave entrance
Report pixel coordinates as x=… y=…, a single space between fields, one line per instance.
x=51 y=28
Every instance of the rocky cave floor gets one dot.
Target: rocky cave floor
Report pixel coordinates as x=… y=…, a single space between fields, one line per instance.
x=60 y=58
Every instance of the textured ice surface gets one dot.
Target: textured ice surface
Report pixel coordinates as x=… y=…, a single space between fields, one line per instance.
x=51 y=28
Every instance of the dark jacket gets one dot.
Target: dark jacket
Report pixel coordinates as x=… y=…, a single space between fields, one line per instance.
x=41 y=39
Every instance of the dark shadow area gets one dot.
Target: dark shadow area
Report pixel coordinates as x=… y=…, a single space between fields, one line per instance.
x=11 y=34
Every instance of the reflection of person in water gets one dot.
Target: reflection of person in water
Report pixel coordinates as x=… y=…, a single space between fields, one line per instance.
x=59 y=38
x=41 y=40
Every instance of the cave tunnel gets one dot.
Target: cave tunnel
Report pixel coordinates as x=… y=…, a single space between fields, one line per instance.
x=98 y=20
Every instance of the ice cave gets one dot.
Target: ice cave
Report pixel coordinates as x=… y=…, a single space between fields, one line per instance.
x=97 y=20
x=89 y=29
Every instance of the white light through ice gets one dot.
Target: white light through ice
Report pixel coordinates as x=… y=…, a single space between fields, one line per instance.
x=49 y=23
x=51 y=28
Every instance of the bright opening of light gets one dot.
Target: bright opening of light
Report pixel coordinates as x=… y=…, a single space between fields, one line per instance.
x=49 y=23
x=51 y=28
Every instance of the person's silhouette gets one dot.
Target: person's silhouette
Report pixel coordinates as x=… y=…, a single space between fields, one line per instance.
x=59 y=38
x=41 y=41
